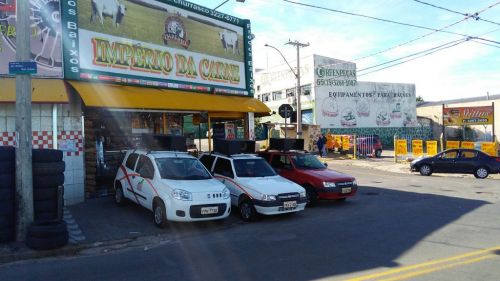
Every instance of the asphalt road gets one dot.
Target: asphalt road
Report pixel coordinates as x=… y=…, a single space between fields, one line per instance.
x=398 y=227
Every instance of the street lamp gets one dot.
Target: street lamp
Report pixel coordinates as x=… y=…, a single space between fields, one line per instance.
x=241 y=1
x=297 y=76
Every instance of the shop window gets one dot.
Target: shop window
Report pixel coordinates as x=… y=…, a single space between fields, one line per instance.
x=131 y=161
x=223 y=167
x=307 y=116
x=266 y=97
x=290 y=92
x=277 y=95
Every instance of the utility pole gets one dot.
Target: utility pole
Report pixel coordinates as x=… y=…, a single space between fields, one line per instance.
x=24 y=174
x=298 y=45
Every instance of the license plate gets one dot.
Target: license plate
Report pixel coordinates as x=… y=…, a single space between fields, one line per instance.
x=346 y=190
x=209 y=210
x=290 y=204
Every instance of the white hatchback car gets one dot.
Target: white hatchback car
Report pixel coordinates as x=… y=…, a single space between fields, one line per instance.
x=174 y=185
x=255 y=187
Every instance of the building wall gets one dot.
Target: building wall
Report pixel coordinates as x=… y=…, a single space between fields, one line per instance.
x=69 y=127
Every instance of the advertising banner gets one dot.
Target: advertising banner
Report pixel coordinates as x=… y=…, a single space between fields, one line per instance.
x=452 y=144
x=417 y=147
x=345 y=143
x=401 y=147
x=489 y=148
x=230 y=131
x=459 y=116
x=45 y=37
x=366 y=105
x=169 y=44
x=468 y=144
x=432 y=147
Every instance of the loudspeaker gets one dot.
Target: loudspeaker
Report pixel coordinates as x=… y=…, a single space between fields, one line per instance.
x=236 y=146
x=163 y=142
x=286 y=144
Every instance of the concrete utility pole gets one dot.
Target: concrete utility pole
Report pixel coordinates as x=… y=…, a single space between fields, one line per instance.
x=297 y=44
x=24 y=174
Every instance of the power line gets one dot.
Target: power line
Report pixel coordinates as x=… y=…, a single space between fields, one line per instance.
x=475 y=15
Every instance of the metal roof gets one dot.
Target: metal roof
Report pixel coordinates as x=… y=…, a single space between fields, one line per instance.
x=464 y=100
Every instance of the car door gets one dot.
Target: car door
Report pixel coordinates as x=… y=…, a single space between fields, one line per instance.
x=223 y=171
x=128 y=172
x=465 y=161
x=282 y=164
x=142 y=181
x=446 y=162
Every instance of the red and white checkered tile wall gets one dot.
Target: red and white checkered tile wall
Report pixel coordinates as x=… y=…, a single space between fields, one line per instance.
x=43 y=139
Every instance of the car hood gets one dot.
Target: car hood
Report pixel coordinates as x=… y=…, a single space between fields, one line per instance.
x=271 y=185
x=327 y=175
x=210 y=185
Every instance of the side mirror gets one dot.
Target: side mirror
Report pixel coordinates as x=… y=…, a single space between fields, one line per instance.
x=326 y=164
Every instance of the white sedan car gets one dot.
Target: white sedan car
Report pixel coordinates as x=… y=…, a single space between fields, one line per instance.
x=174 y=185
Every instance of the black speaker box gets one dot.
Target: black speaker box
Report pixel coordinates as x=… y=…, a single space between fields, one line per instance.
x=229 y=147
x=286 y=144
x=164 y=142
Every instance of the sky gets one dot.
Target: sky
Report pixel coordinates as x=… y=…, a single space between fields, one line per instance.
x=468 y=69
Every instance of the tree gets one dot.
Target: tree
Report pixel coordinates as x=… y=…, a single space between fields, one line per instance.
x=420 y=99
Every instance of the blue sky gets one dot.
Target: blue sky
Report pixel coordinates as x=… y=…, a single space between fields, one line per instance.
x=465 y=70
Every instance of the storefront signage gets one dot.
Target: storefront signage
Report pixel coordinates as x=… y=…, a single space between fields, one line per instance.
x=333 y=72
x=452 y=144
x=432 y=147
x=345 y=143
x=489 y=148
x=401 y=147
x=459 y=116
x=366 y=105
x=417 y=147
x=230 y=131
x=45 y=24
x=169 y=44
x=468 y=144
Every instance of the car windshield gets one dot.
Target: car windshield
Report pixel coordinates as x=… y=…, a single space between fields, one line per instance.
x=182 y=169
x=307 y=161
x=255 y=167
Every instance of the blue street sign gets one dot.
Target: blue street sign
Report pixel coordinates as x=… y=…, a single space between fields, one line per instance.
x=22 y=67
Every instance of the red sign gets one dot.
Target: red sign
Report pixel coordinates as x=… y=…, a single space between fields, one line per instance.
x=459 y=116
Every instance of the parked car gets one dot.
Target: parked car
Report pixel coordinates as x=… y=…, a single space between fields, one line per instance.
x=368 y=145
x=306 y=170
x=464 y=161
x=255 y=187
x=174 y=185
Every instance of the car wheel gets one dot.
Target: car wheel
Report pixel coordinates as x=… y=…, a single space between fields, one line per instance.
x=247 y=210
x=481 y=173
x=312 y=197
x=119 y=197
x=159 y=214
x=425 y=170
x=341 y=199
x=378 y=153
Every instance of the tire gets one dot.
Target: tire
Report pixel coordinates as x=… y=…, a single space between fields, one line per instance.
x=6 y=234
x=7 y=167
x=47 y=155
x=45 y=206
x=48 y=181
x=481 y=172
x=119 y=197
x=378 y=153
x=312 y=196
x=47 y=229
x=247 y=210
x=41 y=194
x=7 y=181
x=50 y=243
x=46 y=216
x=425 y=170
x=7 y=153
x=159 y=214
x=48 y=169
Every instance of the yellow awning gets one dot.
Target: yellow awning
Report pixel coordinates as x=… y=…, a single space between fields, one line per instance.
x=130 y=97
x=44 y=90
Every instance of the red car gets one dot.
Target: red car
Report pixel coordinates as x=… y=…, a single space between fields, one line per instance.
x=367 y=146
x=306 y=170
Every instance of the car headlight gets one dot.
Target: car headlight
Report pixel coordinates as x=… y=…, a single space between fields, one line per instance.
x=225 y=193
x=266 y=197
x=328 y=184
x=354 y=183
x=303 y=194
x=180 y=194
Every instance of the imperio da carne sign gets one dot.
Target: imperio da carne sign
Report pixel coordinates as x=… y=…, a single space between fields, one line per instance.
x=120 y=41
x=459 y=116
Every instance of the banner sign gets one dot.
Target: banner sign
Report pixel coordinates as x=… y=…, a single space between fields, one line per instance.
x=366 y=105
x=417 y=147
x=459 y=116
x=452 y=144
x=432 y=147
x=489 y=148
x=45 y=38
x=169 y=44
x=401 y=147
x=468 y=144
x=345 y=143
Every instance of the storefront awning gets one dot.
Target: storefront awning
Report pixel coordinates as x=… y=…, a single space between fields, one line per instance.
x=129 y=97
x=44 y=90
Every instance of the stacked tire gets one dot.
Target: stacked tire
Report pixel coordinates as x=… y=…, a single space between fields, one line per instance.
x=7 y=191
x=48 y=231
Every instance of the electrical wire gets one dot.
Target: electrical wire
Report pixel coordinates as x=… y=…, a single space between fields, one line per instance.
x=475 y=15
